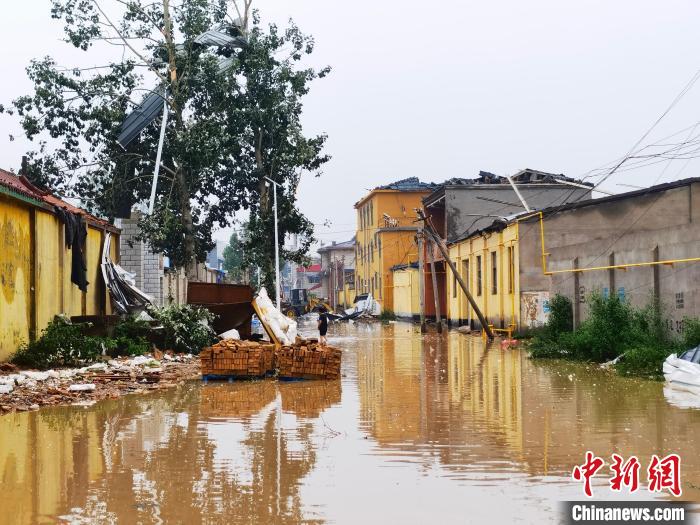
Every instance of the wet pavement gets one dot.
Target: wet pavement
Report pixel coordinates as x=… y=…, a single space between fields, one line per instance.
x=432 y=429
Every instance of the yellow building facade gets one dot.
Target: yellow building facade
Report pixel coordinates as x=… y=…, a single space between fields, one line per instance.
x=405 y=292
x=488 y=262
x=35 y=268
x=386 y=231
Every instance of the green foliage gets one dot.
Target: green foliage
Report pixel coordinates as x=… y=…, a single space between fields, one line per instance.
x=387 y=315
x=545 y=340
x=614 y=328
x=60 y=344
x=228 y=127
x=187 y=328
x=233 y=258
x=129 y=338
x=691 y=333
x=561 y=315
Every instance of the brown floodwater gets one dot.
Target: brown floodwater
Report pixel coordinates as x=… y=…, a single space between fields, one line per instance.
x=421 y=429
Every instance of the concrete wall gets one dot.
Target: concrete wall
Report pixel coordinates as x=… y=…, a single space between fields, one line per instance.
x=657 y=226
x=138 y=258
x=463 y=200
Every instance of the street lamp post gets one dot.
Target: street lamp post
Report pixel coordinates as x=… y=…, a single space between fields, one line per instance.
x=277 y=246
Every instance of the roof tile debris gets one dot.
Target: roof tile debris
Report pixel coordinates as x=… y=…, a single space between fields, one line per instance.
x=526 y=176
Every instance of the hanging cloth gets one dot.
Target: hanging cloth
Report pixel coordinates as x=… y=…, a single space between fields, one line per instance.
x=76 y=236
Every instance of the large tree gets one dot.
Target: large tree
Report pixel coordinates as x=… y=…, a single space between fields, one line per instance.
x=234 y=106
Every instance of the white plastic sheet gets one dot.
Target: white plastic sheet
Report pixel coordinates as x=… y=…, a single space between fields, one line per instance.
x=284 y=328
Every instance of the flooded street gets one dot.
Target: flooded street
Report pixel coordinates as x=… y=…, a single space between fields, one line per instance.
x=433 y=429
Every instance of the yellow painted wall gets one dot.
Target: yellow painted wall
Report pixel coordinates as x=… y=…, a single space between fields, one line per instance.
x=500 y=309
x=54 y=293
x=405 y=291
x=372 y=265
x=15 y=264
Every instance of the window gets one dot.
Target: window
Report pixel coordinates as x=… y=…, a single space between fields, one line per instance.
x=511 y=270
x=478 y=275
x=454 y=286
x=680 y=303
x=379 y=245
x=494 y=273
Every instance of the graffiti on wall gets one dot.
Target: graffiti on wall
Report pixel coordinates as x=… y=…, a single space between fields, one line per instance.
x=535 y=308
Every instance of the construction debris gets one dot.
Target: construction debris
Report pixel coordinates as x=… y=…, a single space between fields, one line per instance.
x=29 y=389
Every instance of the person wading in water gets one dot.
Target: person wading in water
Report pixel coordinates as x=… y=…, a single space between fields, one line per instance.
x=322 y=325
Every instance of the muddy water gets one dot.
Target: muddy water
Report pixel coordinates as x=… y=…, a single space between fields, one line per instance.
x=420 y=430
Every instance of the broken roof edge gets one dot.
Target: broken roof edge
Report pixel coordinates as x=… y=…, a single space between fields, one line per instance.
x=501 y=224
x=399 y=267
x=487 y=179
x=23 y=189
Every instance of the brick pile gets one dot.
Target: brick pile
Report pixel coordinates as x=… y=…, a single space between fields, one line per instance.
x=306 y=359
x=233 y=358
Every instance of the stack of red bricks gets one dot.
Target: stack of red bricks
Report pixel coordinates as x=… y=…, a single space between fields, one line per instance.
x=306 y=359
x=238 y=359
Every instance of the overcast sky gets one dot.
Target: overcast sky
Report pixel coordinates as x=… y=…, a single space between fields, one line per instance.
x=445 y=89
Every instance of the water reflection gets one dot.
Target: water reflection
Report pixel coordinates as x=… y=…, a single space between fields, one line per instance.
x=482 y=410
x=201 y=453
x=420 y=429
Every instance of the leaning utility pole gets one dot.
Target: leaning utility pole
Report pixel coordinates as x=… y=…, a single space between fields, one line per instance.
x=436 y=293
x=421 y=277
x=428 y=228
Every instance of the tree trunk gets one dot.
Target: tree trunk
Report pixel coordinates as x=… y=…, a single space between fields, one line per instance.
x=187 y=223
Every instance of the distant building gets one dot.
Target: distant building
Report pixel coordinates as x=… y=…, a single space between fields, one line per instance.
x=337 y=267
x=215 y=257
x=309 y=279
x=385 y=237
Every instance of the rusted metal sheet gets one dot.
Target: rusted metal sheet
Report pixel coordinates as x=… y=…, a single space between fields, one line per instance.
x=231 y=303
x=200 y=293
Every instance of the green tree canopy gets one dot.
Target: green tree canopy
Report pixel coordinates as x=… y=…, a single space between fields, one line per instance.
x=234 y=119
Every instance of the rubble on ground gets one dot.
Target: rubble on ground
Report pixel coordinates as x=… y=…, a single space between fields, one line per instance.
x=22 y=390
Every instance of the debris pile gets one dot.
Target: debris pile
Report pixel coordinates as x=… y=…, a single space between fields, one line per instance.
x=234 y=358
x=30 y=389
x=306 y=359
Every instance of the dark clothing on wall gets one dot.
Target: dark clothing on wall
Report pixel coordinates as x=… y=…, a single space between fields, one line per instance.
x=322 y=324
x=76 y=236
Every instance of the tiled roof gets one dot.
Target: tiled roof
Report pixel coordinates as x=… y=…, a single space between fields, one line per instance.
x=21 y=185
x=345 y=245
x=312 y=268
x=408 y=184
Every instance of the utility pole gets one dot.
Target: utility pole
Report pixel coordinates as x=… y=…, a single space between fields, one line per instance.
x=443 y=250
x=277 y=246
x=436 y=292
x=421 y=282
